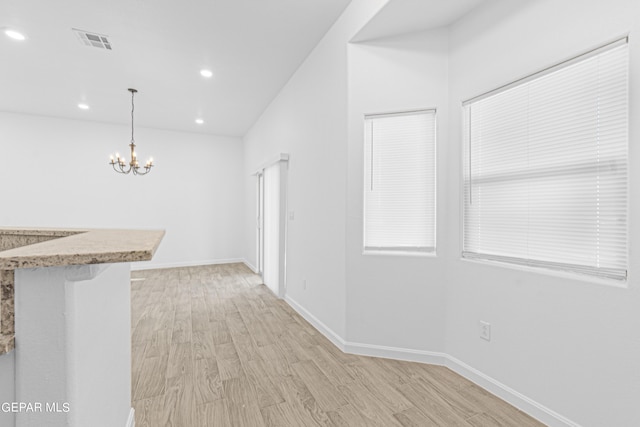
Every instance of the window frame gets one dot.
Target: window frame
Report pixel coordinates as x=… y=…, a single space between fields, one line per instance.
x=561 y=269
x=391 y=251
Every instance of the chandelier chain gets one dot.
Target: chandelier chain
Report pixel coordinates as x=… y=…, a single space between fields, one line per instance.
x=132 y=109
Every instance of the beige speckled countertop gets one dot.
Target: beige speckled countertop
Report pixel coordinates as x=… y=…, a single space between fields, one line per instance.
x=49 y=247
x=80 y=247
x=7 y=343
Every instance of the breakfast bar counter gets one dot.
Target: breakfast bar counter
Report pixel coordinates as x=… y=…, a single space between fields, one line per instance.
x=65 y=322
x=30 y=248
x=48 y=247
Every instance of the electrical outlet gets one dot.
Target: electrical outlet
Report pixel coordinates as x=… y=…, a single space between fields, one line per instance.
x=304 y=284
x=292 y=215
x=485 y=330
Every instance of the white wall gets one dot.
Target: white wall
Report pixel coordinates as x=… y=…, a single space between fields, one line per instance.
x=570 y=344
x=395 y=301
x=55 y=173
x=308 y=120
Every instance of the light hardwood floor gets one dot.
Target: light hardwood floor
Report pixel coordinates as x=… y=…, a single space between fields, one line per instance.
x=213 y=347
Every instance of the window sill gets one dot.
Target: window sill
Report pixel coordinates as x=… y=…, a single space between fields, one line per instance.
x=622 y=284
x=400 y=253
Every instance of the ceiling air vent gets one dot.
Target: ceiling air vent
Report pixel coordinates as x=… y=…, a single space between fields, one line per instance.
x=93 y=39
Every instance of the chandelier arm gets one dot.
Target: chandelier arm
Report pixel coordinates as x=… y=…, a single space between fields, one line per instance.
x=147 y=169
x=118 y=169
x=123 y=170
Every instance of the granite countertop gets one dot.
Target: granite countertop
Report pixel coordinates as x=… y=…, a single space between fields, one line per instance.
x=31 y=231
x=80 y=247
x=50 y=247
x=7 y=343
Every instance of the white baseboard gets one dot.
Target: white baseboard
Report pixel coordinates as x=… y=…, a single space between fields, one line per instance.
x=513 y=397
x=131 y=422
x=407 y=354
x=506 y=393
x=321 y=327
x=148 y=265
x=251 y=266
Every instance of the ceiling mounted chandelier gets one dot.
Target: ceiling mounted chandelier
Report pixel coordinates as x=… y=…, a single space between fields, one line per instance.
x=120 y=163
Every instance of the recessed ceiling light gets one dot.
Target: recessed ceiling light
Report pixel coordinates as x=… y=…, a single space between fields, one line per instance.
x=206 y=73
x=199 y=121
x=83 y=106
x=14 y=35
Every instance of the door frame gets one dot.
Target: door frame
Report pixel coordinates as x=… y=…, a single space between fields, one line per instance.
x=283 y=159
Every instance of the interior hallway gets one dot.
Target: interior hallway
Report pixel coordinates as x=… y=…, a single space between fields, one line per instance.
x=212 y=346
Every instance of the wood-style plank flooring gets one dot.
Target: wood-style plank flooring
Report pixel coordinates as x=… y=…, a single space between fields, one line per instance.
x=213 y=347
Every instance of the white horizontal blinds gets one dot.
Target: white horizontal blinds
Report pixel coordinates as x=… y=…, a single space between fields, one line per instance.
x=545 y=169
x=399 y=183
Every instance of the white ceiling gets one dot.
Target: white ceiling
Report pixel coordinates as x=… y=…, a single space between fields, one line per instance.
x=407 y=16
x=159 y=47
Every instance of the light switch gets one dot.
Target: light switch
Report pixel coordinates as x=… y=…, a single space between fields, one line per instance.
x=485 y=330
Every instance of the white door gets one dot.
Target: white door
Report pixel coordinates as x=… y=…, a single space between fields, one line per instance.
x=274 y=227
x=260 y=224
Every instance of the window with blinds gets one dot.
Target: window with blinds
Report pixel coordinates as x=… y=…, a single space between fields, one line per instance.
x=545 y=168
x=400 y=182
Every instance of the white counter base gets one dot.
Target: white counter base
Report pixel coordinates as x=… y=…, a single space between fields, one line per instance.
x=7 y=387
x=73 y=349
